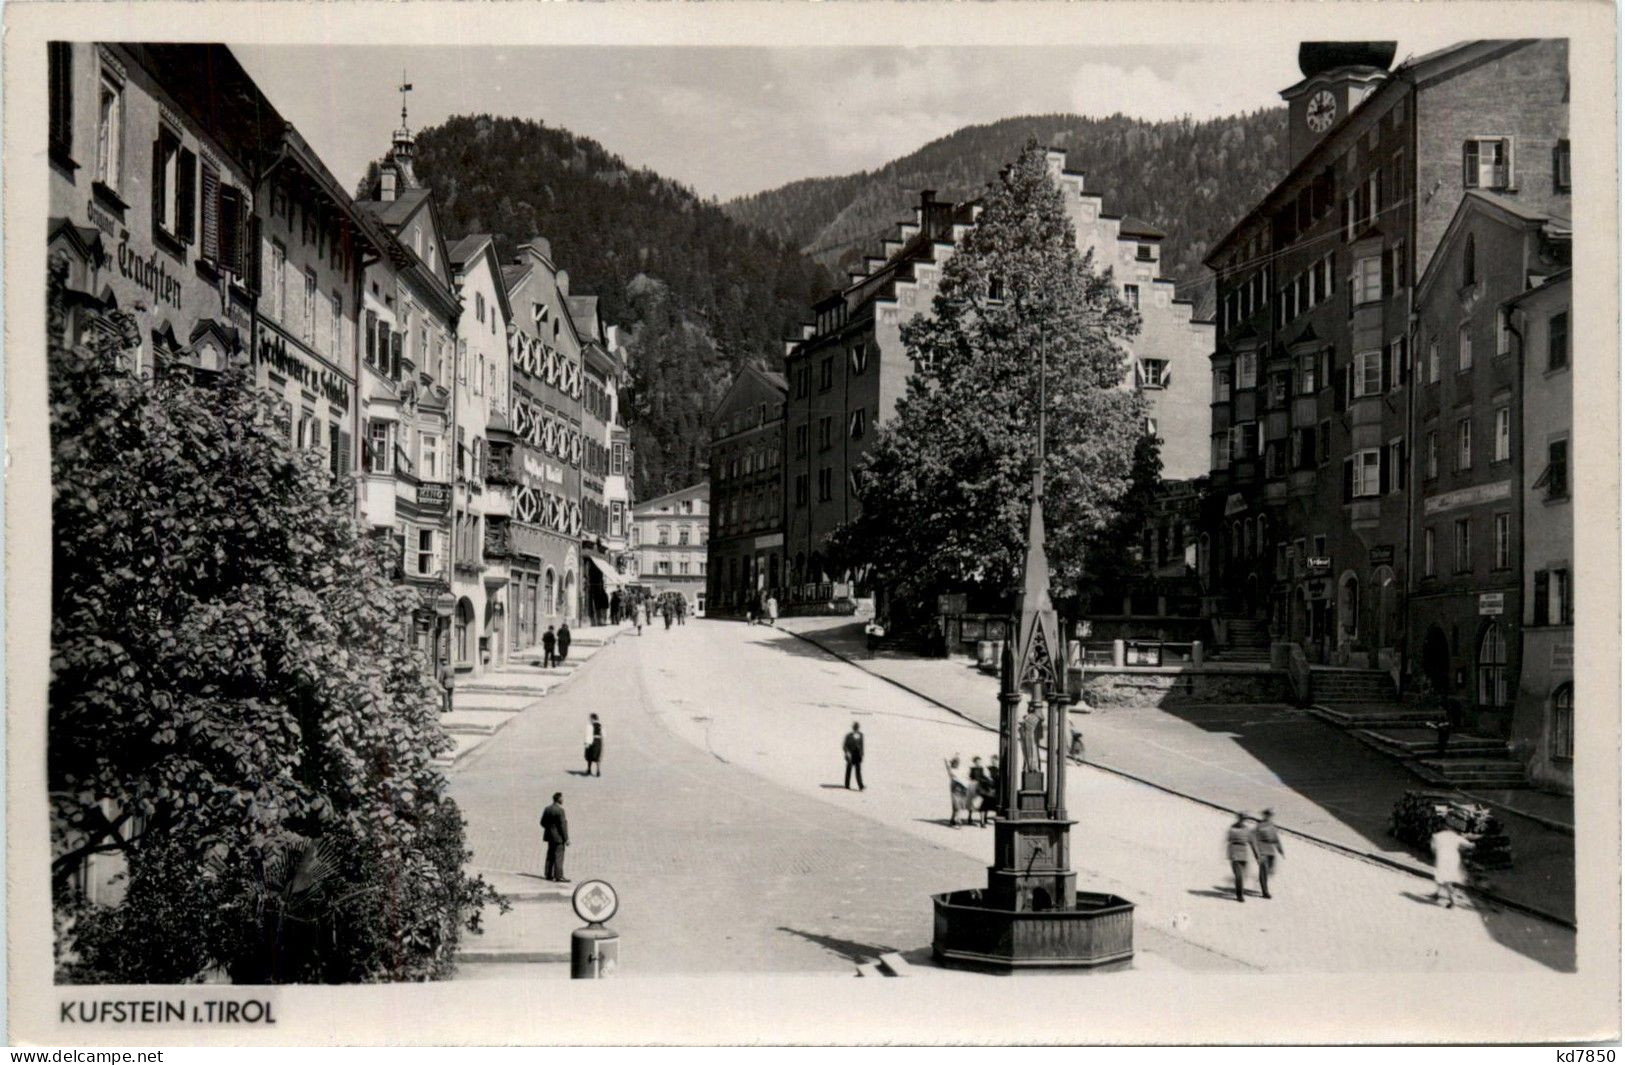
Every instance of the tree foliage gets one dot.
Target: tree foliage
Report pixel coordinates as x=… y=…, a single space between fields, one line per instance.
x=944 y=493
x=236 y=708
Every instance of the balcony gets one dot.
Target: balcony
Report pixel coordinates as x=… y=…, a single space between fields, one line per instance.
x=498 y=540
x=499 y=466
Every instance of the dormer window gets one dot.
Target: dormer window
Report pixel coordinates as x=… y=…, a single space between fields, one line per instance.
x=386 y=186
x=1469 y=262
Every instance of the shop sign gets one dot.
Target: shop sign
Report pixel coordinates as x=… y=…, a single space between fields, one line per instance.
x=272 y=349
x=434 y=496
x=1383 y=555
x=1319 y=565
x=1491 y=603
x=1466 y=497
x=534 y=472
x=528 y=540
x=951 y=604
x=150 y=273
x=1234 y=505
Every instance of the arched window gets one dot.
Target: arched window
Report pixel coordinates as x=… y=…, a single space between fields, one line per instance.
x=1469 y=262
x=460 y=631
x=1563 y=722
x=549 y=582
x=1492 y=667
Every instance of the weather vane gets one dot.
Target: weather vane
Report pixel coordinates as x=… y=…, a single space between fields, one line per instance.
x=406 y=87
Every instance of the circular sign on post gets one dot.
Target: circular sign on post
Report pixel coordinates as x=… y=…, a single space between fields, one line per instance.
x=595 y=901
x=444 y=604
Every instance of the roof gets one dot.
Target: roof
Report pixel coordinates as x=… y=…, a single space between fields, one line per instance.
x=512 y=275
x=1133 y=226
x=776 y=379
x=1547 y=284
x=395 y=212
x=1477 y=201
x=465 y=249
x=701 y=489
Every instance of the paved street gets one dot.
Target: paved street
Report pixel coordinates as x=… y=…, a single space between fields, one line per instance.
x=721 y=819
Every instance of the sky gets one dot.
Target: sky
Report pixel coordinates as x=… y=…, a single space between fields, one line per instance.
x=735 y=120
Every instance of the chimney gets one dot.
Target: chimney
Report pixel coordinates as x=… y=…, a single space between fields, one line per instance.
x=930 y=216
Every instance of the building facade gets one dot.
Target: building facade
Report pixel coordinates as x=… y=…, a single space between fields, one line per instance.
x=1308 y=521
x=544 y=463
x=1466 y=597
x=668 y=547
x=746 y=557
x=480 y=507
x=618 y=494
x=601 y=580
x=1543 y=718
x=412 y=411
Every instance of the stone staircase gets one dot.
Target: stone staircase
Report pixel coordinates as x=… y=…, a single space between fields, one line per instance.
x=1408 y=736
x=1334 y=685
x=1246 y=640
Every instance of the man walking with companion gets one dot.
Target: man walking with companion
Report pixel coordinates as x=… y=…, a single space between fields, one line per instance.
x=549 y=645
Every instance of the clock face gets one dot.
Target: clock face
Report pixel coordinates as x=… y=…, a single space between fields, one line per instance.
x=1322 y=110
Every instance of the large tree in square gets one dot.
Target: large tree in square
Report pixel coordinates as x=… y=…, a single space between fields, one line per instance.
x=944 y=492
x=237 y=714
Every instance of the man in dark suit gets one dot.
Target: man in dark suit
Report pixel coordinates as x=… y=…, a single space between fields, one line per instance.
x=564 y=643
x=556 y=833
x=853 y=748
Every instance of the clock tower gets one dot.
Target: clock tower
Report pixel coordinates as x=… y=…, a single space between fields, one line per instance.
x=1337 y=77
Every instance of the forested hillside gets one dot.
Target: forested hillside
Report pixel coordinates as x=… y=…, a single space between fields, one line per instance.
x=699 y=294
x=1191 y=179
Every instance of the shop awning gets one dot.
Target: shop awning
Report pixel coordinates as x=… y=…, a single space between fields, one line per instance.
x=611 y=578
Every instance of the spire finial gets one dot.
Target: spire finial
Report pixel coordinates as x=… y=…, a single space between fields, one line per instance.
x=406 y=87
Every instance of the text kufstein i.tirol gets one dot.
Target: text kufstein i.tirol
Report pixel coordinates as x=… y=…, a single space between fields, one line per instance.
x=166 y=1011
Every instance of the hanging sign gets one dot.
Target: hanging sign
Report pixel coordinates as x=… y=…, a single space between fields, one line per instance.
x=1490 y=603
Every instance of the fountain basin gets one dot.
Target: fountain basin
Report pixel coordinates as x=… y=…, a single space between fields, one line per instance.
x=970 y=931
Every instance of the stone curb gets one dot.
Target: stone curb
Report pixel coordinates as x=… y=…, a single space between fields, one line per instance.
x=1352 y=852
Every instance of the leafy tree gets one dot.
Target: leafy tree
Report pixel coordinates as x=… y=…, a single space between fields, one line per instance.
x=944 y=493
x=236 y=709
x=1111 y=556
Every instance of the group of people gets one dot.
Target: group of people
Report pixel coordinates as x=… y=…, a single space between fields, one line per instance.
x=1256 y=838
x=673 y=610
x=972 y=789
x=556 y=645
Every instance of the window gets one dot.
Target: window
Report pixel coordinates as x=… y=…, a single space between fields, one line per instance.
x=1557 y=341
x=1429 y=562
x=425 y=553
x=1307 y=365
x=617 y=517
x=1367 y=373
x=663 y=535
x=110 y=133
x=859 y=358
x=1367 y=472
x=1562 y=741
x=663 y=567
x=1247 y=371
x=1464 y=545
x=1555 y=478
x=59 y=64
x=1399 y=264
x=1486 y=163
x=1151 y=373
x=1503 y=541
x=1503 y=433
x=1323 y=443
x=429 y=452
x=308 y=310
x=279 y=281
x=1430 y=449
x=801 y=489
x=1464 y=444
x=479 y=306
x=1469 y=262
x=1131 y=294
x=166 y=183
x=1492 y=667
x=825 y=433
x=682 y=536
x=1464 y=359
x=336 y=339
x=1221 y=386
x=1396 y=466
x=1562 y=606
x=825 y=482
x=1398 y=362
x=801 y=440
x=856 y=423
x=1560 y=166
x=1433 y=362
x=1368 y=279
x=380 y=446
x=826 y=373
x=306 y=430
x=1280 y=385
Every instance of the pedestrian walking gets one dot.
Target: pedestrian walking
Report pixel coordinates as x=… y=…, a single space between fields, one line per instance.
x=682 y=611
x=564 y=642
x=1451 y=722
x=556 y=834
x=958 y=792
x=772 y=611
x=665 y=614
x=750 y=613
x=549 y=646
x=1238 y=845
x=1267 y=849
x=1447 y=869
x=640 y=618
x=1076 y=752
x=594 y=746
x=852 y=747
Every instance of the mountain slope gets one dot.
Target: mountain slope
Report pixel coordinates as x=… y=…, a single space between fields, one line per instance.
x=699 y=294
x=1188 y=178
